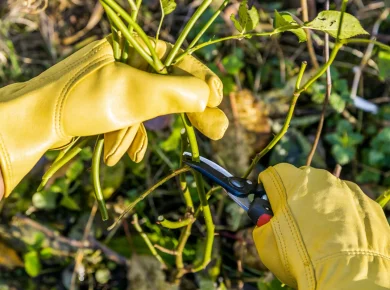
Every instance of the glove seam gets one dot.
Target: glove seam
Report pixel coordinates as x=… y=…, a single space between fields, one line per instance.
x=279 y=236
x=292 y=225
x=352 y=253
x=75 y=64
x=8 y=167
x=68 y=86
x=143 y=142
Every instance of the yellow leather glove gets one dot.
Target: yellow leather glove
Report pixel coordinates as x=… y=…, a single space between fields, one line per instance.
x=86 y=94
x=212 y=122
x=325 y=233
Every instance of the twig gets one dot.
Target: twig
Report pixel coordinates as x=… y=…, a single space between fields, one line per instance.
x=165 y=250
x=310 y=48
x=91 y=243
x=147 y=241
x=146 y=193
x=367 y=54
x=80 y=253
x=326 y=100
x=337 y=170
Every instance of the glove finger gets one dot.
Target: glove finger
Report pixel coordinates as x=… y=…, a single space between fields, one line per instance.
x=188 y=66
x=212 y=122
x=137 y=149
x=196 y=68
x=267 y=247
x=116 y=143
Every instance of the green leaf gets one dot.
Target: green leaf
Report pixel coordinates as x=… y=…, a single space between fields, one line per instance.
x=247 y=18
x=337 y=102
x=46 y=253
x=233 y=64
x=384 y=64
x=32 y=263
x=45 y=200
x=74 y=170
x=328 y=22
x=284 y=21
x=343 y=155
x=167 y=6
x=102 y=276
x=69 y=203
x=368 y=176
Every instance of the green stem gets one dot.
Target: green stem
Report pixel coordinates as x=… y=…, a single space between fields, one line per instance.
x=363 y=40
x=208 y=23
x=322 y=69
x=147 y=241
x=146 y=193
x=202 y=195
x=286 y=124
x=133 y=15
x=130 y=38
x=133 y=6
x=66 y=149
x=116 y=46
x=172 y=54
x=174 y=224
x=115 y=8
x=59 y=163
x=97 y=153
x=210 y=42
x=183 y=182
x=384 y=198
x=343 y=8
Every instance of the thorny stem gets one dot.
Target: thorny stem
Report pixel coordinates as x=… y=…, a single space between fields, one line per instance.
x=97 y=154
x=172 y=54
x=116 y=41
x=147 y=241
x=208 y=23
x=326 y=100
x=146 y=193
x=286 y=124
x=384 y=198
x=202 y=195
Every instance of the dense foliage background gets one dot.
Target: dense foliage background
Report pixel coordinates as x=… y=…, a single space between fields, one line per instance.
x=44 y=235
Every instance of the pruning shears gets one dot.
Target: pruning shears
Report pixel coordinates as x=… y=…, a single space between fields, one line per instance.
x=237 y=188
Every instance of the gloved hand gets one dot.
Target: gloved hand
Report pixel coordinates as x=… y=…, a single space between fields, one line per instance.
x=89 y=93
x=325 y=233
x=212 y=122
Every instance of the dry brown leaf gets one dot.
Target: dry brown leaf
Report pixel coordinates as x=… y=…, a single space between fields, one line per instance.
x=248 y=132
x=8 y=257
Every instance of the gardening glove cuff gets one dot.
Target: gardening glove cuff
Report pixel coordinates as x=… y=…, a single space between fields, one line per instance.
x=325 y=233
x=86 y=94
